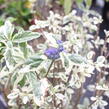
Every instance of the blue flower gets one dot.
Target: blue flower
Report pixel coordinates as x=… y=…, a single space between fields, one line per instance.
x=61 y=48
x=52 y=53
x=60 y=44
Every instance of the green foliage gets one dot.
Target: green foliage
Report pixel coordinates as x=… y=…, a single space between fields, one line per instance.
x=79 y=1
x=17 y=10
x=1 y=1
x=88 y=3
x=67 y=6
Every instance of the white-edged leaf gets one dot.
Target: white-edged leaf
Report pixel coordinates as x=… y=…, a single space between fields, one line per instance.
x=39 y=24
x=8 y=29
x=2 y=37
x=78 y=59
x=25 y=36
x=90 y=54
x=34 y=61
x=14 y=94
x=9 y=58
x=39 y=88
x=100 y=59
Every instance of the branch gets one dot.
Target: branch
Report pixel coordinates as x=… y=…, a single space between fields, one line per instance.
x=49 y=68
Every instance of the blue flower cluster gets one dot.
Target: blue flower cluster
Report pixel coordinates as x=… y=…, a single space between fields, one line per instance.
x=53 y=53
x=60 y=44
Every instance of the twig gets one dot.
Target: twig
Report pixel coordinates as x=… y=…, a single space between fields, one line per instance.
x=78 y=98
x=69 y=77
x=49 y=68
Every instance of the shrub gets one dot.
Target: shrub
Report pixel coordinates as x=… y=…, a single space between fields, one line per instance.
x=55 y=74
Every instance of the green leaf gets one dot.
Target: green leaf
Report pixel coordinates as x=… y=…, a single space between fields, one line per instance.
x=65 y=60
x=9 y=58
x=26 y=49
x=23 y=47
x=8 y=29
x=35 y=84
x=79 y=1
x=25 y=36
x=22 y=82
x=61 y=2
x=88 y=3
x=18 y=78
x=2 y=49
x=78 y=59
x=2 y=37
x=67 y=6
x=18 y=55
x=34 y=61
x=19 y=29
x=39 y=87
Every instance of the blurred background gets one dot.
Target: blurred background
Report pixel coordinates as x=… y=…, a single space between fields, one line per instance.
x=23 y=12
